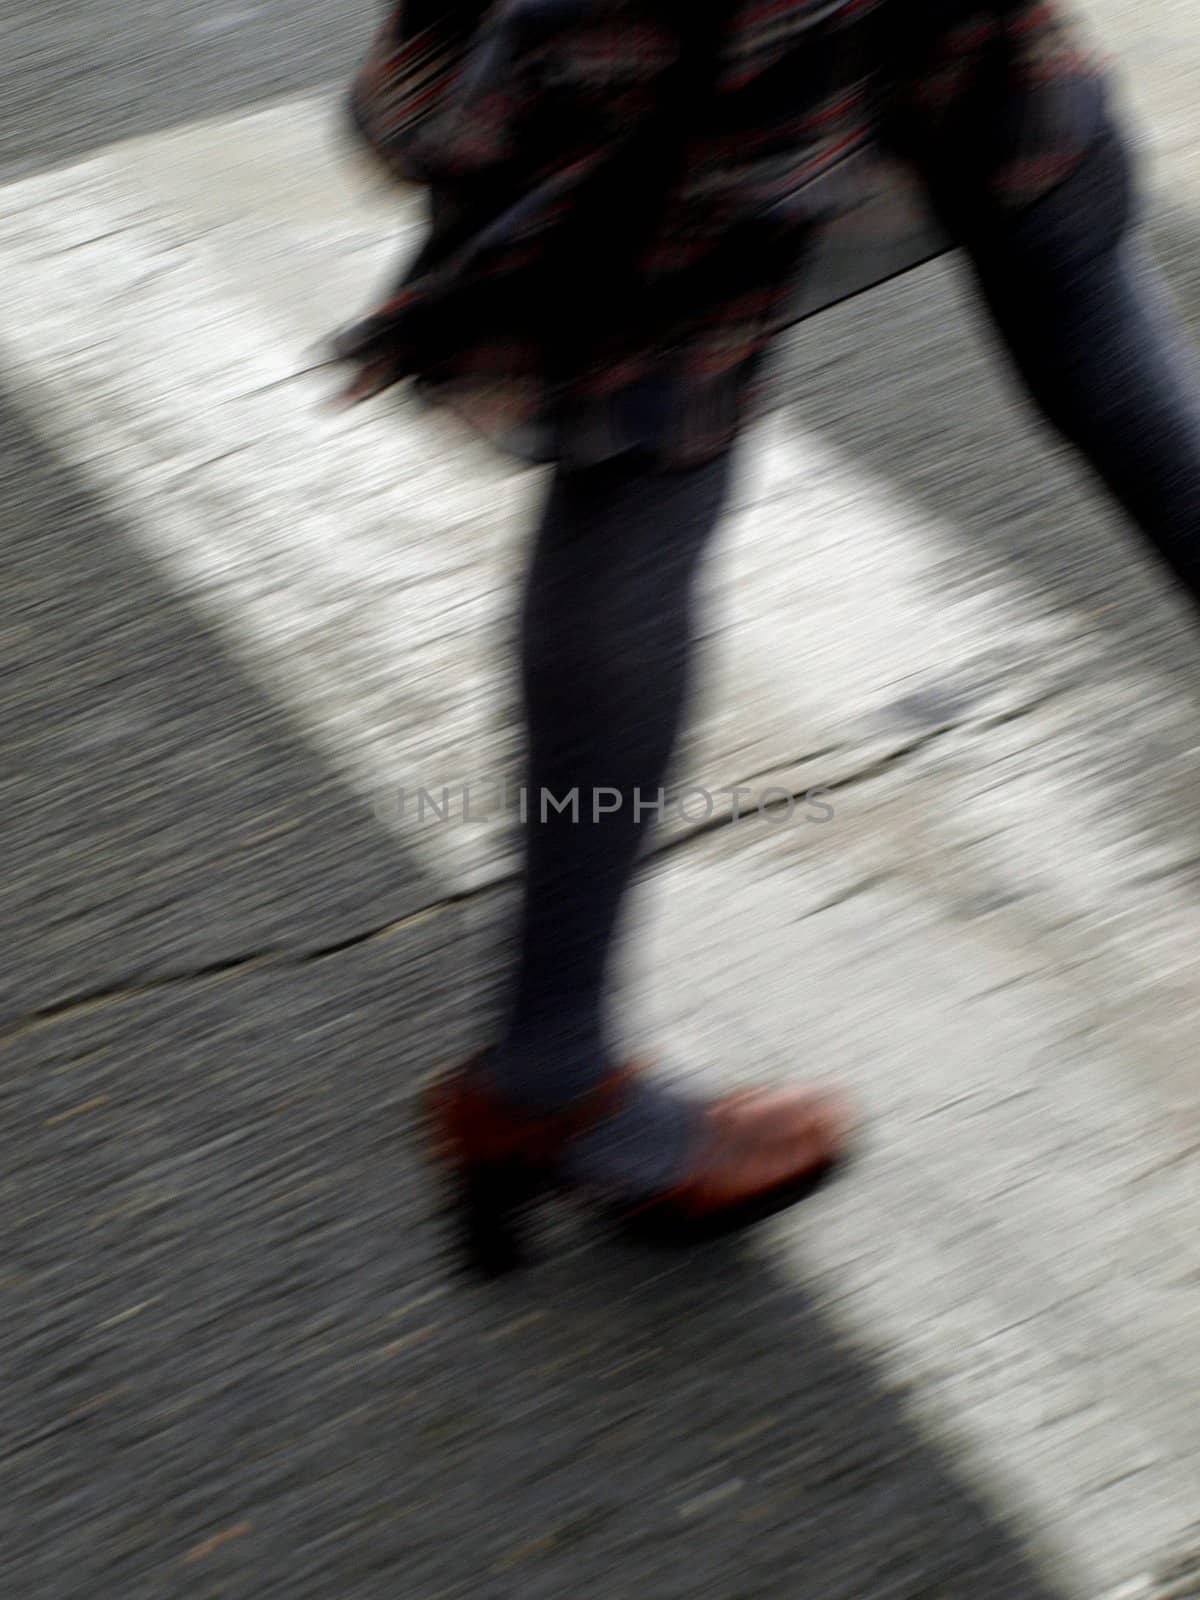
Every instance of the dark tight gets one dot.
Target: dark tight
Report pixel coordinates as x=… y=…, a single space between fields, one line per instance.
x=1090 y=329
x=1118 y=382
x=606 y=647
x=606 y=650
x=607 y=618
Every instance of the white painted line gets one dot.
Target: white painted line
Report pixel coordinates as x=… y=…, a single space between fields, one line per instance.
x=164 y=299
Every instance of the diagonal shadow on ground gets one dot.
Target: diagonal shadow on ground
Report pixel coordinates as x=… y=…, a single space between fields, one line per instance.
x=237 y=1362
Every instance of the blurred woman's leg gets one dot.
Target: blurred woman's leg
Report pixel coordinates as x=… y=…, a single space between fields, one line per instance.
x=606 y=650
x=1091 y=329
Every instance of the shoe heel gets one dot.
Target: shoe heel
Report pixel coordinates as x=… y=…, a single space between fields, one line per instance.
x=494 y=1201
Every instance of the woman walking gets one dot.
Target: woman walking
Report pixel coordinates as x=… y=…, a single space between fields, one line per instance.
x=629 y=201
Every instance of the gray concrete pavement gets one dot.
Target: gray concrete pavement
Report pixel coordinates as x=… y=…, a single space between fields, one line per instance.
x=234 y=627
x=236 y=1360
x=76 y=74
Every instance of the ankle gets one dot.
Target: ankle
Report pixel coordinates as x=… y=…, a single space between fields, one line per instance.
x=548 y=1067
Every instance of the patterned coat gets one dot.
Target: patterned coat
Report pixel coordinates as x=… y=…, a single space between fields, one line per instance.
x=630 y=199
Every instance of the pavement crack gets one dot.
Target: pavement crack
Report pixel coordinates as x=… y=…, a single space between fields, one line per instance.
x=273 y=957
x=786 y=764
x=122 y=989
x=873 y=880
x=922 y=741
x=284 y=956
x=727 y=819
x=1000 y=719
x=288 y=377
x=892 y=758
x=95 y=238
x=191 y=468
x=873 y=769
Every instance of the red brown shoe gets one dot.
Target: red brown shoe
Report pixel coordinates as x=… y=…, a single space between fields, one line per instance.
x=759 y=1150
x=502 y=1158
